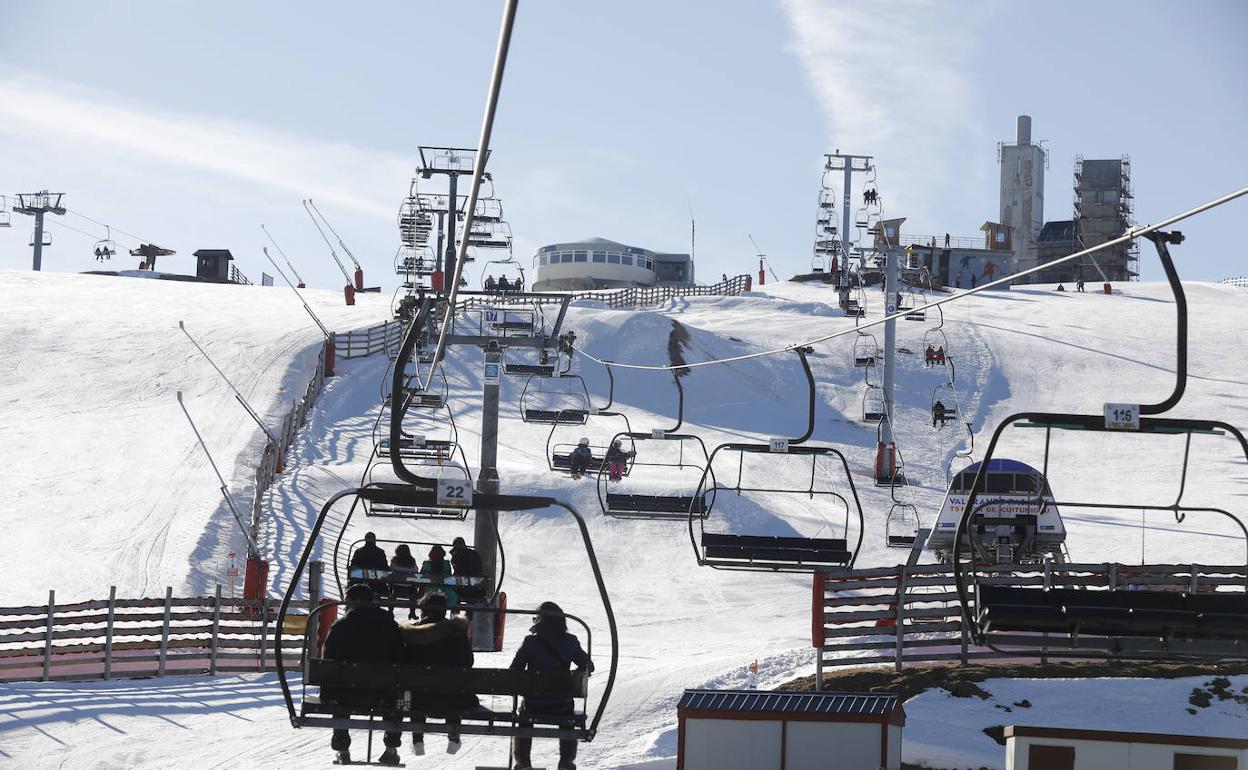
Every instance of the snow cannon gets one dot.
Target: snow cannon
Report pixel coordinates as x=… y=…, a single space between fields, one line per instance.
x=348 y=292
x=1107 y=288
x=359 y=279
x=436 y=280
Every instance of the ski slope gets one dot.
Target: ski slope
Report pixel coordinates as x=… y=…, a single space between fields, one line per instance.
x=150 y=514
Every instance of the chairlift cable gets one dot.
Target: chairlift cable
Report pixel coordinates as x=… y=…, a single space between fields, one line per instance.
x=1130 y=235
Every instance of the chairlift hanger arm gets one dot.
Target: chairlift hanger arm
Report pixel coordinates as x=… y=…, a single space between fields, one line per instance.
x=1161 y=240
x=398 y=376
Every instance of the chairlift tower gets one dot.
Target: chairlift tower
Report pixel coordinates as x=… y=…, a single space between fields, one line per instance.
x=848 y=165
x=36 y=205
x=451 y=162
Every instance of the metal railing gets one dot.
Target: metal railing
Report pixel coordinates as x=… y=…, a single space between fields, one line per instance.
x=909 y=615
x=236 y=276
x=958 y=242
x=1238 y=280
x=137 y=638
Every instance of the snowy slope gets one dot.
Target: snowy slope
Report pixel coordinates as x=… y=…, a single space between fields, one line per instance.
x=103 y=474
x=680 y=625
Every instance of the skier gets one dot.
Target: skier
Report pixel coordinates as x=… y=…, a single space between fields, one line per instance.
x=1079 y=285
x=616 y=460
x=548 y=647
x=438 y=641
x=580 y=458
x=366 y=634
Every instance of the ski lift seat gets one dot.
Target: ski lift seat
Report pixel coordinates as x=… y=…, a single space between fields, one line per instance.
x=1110 y=613
x=563 y=462
x=539 y=370
x=519 y=325
x=561 y=416
x=918 y=315
x=392 y=682
x=657 y=506
x=390 y=511
x=430 y=449
x=901 y=541
x=764 y=549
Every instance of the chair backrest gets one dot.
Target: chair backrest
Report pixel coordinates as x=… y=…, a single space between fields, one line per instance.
x=437 y=680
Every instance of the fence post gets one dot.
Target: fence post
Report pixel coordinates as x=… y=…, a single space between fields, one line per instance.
x=1044 y=644
x=264 y=630
x=310 y=633
x=47 y=636
x=216 y=630
x=108 y=632
x=899 y=629
x=164 y=631
x=1195 y=572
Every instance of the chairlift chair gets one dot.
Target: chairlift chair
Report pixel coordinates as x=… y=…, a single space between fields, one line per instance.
x=1122 y=624
x=901 y=529
x=819 y=263
x=915 y=300
x=873 y=407
x=403 y=587
x=772 y=553
x=5 y=216
x=394 y=684
x=866 y=350
x=559 y=454
x=47 y=238
x=645 y=503
x=563 y=399
x=945 y=406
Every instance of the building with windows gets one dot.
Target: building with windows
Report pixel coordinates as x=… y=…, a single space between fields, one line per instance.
x=597 y=263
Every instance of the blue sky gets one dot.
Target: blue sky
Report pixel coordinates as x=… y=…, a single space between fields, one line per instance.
x=192 y=123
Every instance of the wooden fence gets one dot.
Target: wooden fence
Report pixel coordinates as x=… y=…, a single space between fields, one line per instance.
x=911 y=614
x=134 y=638
x=291 y=423
x=384 y=337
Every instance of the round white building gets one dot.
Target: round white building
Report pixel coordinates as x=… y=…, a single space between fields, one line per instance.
x=597 y=263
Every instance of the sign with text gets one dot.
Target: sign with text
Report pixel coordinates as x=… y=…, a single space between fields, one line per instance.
x=1122 y=416
x=779 y=445
x=454 y=492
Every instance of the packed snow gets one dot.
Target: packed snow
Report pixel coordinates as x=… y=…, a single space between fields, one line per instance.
x=110 y=473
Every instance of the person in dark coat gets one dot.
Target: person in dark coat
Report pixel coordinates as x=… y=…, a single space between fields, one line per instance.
x=365 y=634
x=436 y=564
x=440 y=641
x=370 y=555
x=465 y=561
x=938 y=413
x=580 y=458
x=549 y=647
x=402 y=563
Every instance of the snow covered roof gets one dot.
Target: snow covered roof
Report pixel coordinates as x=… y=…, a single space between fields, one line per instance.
x=883 y=706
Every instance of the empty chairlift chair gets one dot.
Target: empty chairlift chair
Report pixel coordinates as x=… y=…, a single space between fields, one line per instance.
x=563 y=399
x=866 y=350
x=901 y=528
x=1111 y=619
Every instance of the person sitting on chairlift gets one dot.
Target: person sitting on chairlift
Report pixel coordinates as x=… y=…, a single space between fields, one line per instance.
x=617 y=459
x=440 y=641
x=580 y=458
x=929 y=356
x=365 y=634
x=504 y=285
x=436 y=565
x=940 y=355
x=548 y=647
x=369 y=555
x=938 y=414
x=490 y=285
x=517 y=285
x=465 y=561
x=402 y=562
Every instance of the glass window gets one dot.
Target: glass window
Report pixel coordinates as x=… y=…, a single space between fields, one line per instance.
x=582 y=256
x=890 y=232
x=1000 y=236
x=628 y=260
x=613 y=258
x=565 y=256
x=542 y=260
x=600 y=256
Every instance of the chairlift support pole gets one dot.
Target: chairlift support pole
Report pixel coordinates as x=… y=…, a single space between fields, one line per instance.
x=485 y=524
x=886 y=449
x=847 y=164
x=36 y=205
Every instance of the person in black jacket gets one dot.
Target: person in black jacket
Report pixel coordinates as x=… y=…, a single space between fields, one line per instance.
x=548 y=647
x=465 y=561
x=438 y=641
x=365 y=634
x=370 y=555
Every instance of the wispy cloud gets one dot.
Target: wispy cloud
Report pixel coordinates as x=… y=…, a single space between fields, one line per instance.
x=339 y=174
x=890 y=79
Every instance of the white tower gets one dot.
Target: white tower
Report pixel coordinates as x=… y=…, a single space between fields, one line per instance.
x=1022 y=192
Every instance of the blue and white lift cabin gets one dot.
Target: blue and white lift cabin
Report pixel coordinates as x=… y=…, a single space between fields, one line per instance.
x=1015 y=520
